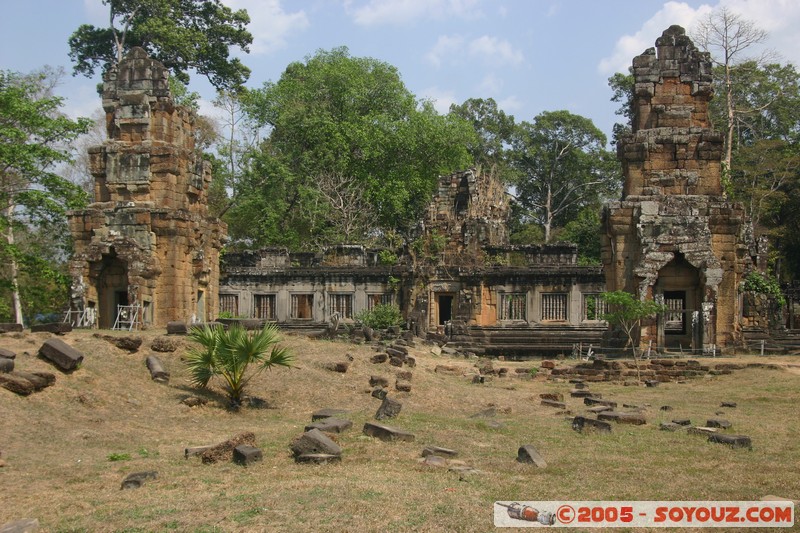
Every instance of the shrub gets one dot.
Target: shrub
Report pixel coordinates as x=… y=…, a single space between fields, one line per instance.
x=381 y=316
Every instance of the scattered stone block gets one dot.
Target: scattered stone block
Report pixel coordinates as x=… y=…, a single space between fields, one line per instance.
x=735 y=441
x=405 y=375
x=528 y=454
x=700 y=430
x=478 y=379
x=410 y=362
x=389 y=408
x=322 y=414
x=10 y=327
x=378 y=381
x=7 y=354
x=330 y=425
x=582 y=424
x=224 y=450
x=379 y=358
x=728 y=404
x=247 y=455
x=402 y=385
x=549 y=365
x=387 y=433
x=718 y=423
x=636 y=419
x=62 y=355
x=583 y=393
x=135 y=480
x=39 y=380
x=396 y=361
x=127 y=343
x=554 y=396
x=195 y=450
x=436 y=450
x=665 y=408
x=318 y=458
x=651 y=383
x=6 y=365
x=670 y=426
x=313 y=442
x=59 y=328
x=597 y=401
x=16 y=384
x=682 y=421
x=341 y=367
x=599 y=409
x=157 y=371
x=164 y=344
x=435 y=350
x=397 y=351
x=26 y=525
x=379 y=393
x=551 y=403
x=177 y=328
x=435 y=461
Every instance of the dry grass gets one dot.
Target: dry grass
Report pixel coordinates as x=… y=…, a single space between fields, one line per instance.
x=58 y=444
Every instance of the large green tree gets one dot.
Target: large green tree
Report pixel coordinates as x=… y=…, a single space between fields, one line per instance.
x=34 y=139
x=562 y=167
x=182 y=34
x=342 y=124
x=494 y=129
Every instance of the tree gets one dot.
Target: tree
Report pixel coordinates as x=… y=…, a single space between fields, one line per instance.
x=585 y=231
x=182 y=34
x=627 y=312
x=727 y=37
x=494 y=130
x=34 y=138
x=622 y=85
x=351 y=118
x=562 y=167
x=234 y=355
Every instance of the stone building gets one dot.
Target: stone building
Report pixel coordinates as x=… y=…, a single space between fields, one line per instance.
x=674 y=237
x=147 y=244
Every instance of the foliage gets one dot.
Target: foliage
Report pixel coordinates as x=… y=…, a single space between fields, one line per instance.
x=627 y=312
x=182 y=34
x=234 y=355
x=115 y=456
x=387 y=257
x=381 y=316
x=562 y=167
x=622 y=86
x=337 y=117
x=585 y=231
x=761 y=284
x=494 y=129
x=34 y=138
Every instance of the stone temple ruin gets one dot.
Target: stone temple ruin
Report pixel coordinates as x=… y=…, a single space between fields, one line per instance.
x=148 y=240
x=146 y=251
x=674 y=237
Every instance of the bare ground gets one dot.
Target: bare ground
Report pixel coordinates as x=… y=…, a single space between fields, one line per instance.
x=67 y=448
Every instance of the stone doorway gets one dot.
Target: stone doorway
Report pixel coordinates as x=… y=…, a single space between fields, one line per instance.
x=112 y=289
x=444 y=308
x=680 y=288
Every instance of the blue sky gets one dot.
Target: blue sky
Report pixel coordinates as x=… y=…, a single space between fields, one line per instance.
x=529 y=55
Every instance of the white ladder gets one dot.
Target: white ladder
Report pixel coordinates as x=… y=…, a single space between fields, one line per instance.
x=127 y=317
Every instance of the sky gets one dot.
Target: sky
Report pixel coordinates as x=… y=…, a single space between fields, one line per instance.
x=531 y=56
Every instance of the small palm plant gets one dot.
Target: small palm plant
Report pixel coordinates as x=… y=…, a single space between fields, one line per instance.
x=232 y=355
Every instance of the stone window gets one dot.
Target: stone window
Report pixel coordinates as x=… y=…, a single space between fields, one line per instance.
x=554 y=306
x=264 y=306
x=674 y=323
x=379 y=299
x=229 y=303
x=513 y=306
x=594 y=307
x=302 y=306
x=342 y=304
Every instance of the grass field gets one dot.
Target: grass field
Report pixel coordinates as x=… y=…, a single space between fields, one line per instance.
x=68 y=447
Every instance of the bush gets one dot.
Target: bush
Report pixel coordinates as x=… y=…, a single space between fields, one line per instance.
x=381 y=316
x=755 y=282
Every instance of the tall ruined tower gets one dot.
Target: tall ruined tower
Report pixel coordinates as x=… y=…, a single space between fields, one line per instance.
x=674 y=237
x=148 y=239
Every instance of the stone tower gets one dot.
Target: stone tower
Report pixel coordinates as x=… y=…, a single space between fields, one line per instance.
x=148 y=239
x=674 y=237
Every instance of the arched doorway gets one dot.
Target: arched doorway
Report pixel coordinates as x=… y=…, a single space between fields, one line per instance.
x=112 y=289
x=679 y=285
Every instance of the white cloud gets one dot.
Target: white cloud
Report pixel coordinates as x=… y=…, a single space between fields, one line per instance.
x=780 y=18
x=490 y=84
x=441 y=98
x=497 y=51
x=377 y=12
x=629 y=46
x=454 y=49
x=510 y=104
x=269 y=23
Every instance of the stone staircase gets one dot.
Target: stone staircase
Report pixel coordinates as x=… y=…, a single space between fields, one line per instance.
x=784 y=342
x=523 y=343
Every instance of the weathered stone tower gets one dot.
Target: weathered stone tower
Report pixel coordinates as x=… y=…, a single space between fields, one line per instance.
x=674 y=237
x=148 y=239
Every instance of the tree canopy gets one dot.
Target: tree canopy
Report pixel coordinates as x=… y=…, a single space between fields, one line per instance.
x=342 y=125
x=182 y=34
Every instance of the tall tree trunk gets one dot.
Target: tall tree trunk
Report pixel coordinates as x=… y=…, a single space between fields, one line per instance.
x=13 y=268
x=731 y=119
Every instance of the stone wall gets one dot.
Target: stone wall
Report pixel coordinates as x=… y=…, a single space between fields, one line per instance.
x=674 y=236
x=148 y=238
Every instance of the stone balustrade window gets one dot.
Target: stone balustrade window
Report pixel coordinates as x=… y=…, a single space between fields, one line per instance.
x=594 y=307
x=229 y=303
x=342 y=304
x=554 y=306
x=379 y=299
x=302 y=306
x=513 y=306
x=264 y=306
